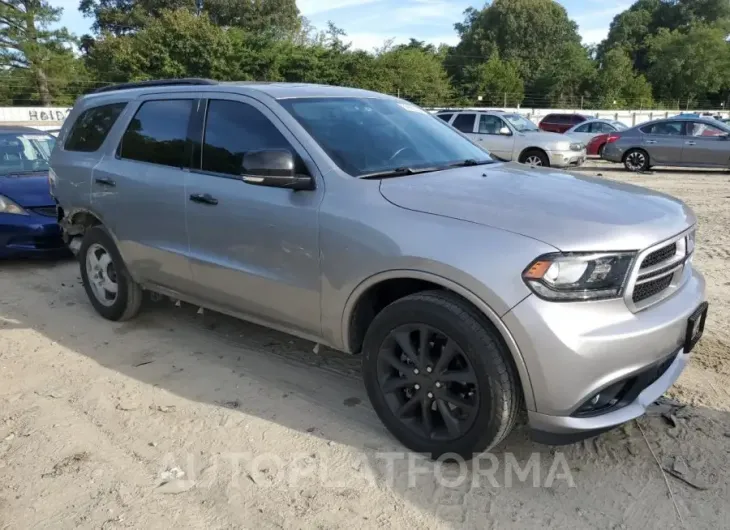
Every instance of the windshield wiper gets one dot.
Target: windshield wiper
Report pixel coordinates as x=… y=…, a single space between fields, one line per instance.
x=399 y=172
x=471 y=162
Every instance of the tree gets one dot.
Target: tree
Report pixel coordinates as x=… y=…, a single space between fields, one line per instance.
x=617 y=85
x=123 y=17
x=411 y=73
x=177 y=44
x=498 y=82
x=631 y=29
x=528 y=32
x=688 y=65
x=29 y=45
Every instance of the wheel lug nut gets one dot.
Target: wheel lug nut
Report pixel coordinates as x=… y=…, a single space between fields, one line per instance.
x=417 y=387
x=438 y=385
x=430 y=394
x=429 y=369
x=415 y=371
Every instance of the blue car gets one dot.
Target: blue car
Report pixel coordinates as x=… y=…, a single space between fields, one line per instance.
x=28 y=221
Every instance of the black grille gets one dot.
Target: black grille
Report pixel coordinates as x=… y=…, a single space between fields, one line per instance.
x=47 y=211
x=649 y=289
x=660 y=255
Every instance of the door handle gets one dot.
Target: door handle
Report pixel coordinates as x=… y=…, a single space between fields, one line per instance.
x=105 y=181
x=204 y=198
x=691 y=143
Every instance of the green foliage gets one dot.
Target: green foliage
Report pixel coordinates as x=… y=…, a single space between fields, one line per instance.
x=618 y=86
x=498 y=82
x=29 y=45
x=123 y=17
x=689 y=64
x=661 y=53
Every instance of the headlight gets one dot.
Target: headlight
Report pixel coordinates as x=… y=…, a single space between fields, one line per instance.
x=579 y=276
x=576 y=147
x=8 y=206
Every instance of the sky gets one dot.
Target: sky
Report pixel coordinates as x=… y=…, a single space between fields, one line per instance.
x=369 y=23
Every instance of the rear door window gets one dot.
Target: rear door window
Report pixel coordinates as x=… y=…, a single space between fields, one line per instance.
x=92 y=126
x=465 y=122
x=158 y=133
x=665 y=128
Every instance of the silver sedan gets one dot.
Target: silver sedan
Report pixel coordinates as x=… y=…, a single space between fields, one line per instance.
x=588 y=130
x=679 y=141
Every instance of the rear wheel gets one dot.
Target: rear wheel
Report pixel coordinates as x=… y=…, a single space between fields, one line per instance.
x=535 y=157
x=438 y=376
x=110 y=288
x=636 y=160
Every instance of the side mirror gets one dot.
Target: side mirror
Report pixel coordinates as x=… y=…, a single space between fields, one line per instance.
x=274 y=169
x=504 y=131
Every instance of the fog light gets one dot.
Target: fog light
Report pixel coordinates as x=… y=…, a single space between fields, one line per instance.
x=595 y=399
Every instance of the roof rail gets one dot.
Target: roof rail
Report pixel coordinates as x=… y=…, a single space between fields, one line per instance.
x=190 y=81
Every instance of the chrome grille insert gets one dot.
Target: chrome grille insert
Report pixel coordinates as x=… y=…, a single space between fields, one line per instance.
x=660 y=271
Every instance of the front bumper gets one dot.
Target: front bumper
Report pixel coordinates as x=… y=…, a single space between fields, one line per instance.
x=30 y=236
x=574 y=350
x=566 y=158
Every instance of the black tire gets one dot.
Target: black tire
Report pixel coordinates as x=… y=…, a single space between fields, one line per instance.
x=499 y=395
x=129 y=294
x=600 y=150
x=636 y=160
x=535 y=154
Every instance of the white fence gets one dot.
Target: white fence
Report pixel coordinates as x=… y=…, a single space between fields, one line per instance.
x=628 y=117
x=43 y=118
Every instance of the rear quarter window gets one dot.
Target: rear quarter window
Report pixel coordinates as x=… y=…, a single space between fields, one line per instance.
x=445 y=117
x=92 y=127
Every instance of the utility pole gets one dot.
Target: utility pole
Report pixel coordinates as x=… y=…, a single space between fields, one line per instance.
x=199 y=6
x=505 y=100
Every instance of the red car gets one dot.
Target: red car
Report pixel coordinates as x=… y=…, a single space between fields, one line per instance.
x=596 y=145
x=560 y=123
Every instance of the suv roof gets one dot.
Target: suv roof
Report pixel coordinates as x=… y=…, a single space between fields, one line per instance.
x=470 y=111
x=274 y=89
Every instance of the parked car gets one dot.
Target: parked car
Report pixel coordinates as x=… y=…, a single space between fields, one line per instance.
x=513 y=137
x=28 y=223
x=470 y=287
x=586 y=131
x=596 y=145
x=560 y=123
x=680 y=141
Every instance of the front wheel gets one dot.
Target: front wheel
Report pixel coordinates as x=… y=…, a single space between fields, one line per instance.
x=636 y=160
x=438 y=376
x=110 y=288
x=535 y=157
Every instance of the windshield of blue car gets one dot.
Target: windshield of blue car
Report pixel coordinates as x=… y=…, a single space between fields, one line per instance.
x=372 y=135
x=520 y=123
x=25 y=152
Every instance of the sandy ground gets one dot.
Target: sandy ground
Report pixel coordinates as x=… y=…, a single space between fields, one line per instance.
x=188 y=421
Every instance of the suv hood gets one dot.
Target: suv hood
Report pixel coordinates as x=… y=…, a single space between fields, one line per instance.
x=27 y=190
x=568 y=211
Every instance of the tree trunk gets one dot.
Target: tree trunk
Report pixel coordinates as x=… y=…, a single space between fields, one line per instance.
x=42 y=82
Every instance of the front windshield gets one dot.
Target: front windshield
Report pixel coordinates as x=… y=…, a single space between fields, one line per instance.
x=372 y=135
x=25 y=152
x=520 y=123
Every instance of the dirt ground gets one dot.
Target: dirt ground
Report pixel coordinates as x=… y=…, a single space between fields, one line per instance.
x=183 y=420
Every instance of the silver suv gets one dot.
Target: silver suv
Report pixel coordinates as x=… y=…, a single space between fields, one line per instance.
x=514 y=137
x=471 y=288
